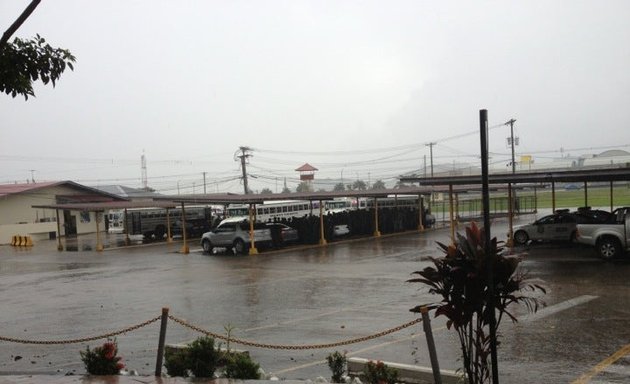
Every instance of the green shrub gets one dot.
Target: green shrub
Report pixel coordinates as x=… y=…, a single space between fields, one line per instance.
x=241 y=366
x=176 y=362
x=203 y=357
x=102 y=360
x=337 y=364
x=379 y=373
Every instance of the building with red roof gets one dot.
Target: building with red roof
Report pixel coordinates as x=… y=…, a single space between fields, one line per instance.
x=19 y=218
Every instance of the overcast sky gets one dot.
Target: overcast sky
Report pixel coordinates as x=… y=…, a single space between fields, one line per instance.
x=355 y=88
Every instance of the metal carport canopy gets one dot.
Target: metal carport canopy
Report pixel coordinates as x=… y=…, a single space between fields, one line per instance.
x=228 y=198
x=107 y=205
x=601 y=175
x=101 y=207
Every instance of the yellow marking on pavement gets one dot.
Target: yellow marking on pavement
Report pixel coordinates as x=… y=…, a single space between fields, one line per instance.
x=585 y=378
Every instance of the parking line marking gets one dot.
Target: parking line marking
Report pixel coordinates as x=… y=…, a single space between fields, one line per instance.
x=548 y=311
x=585 y=378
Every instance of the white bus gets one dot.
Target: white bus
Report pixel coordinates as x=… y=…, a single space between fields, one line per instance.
x=288 y=208
x=274 y=209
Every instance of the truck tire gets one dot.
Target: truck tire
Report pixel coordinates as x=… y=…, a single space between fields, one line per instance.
x=239 y=246
x=159 y=232
x=207 y=246
x=608 y=248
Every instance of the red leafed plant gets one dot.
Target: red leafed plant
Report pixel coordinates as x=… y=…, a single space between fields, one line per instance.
x=461 y=278
x=102 y=360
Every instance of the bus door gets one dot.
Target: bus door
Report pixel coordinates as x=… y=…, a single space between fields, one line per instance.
x=136 y=222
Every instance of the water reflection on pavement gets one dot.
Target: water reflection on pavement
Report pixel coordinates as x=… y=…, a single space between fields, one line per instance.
x=306 y=296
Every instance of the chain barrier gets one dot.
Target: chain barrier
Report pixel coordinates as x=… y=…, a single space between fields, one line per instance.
x=293 y=347
x=215 y=335
x=82 y=340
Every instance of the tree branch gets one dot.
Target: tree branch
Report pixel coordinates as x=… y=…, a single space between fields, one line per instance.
x=18 y=23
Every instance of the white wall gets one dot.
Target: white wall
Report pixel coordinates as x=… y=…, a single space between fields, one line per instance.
x=17 y=217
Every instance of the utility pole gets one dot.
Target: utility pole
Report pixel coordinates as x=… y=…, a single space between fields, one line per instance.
x=425 y=166
x=143 y=166
x=244 y=156
x=511 y=193
x=204 y=183
x=511 y=124
x=430 y=145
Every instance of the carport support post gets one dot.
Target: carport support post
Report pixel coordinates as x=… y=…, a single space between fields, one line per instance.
x=377 y=233
x=586 y=194
x=252 y=245
x=611 y=196
x=420 y=213
x=185 y=250
x=322 y=235
x=510 y=240
x=456 y=219
x=553 y=197
x=169 y=237
x=426 y=325
x=59 y=245
x=450 y=202
x=126 y=227
x=99 y=244
x=161 y=341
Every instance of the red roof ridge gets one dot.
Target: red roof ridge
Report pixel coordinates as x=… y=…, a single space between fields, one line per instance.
x=306 y=168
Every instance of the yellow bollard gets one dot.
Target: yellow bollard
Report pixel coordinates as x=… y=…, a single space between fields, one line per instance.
x=29 y=241
x=14 y=240
x=22 y=241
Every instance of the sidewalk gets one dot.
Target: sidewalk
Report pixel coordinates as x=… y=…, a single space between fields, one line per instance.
x=85 y=379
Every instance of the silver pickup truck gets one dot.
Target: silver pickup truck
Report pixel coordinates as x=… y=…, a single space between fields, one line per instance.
x=234 y=235
x=612 y=238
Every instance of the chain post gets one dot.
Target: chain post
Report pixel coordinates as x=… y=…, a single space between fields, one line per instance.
x=160 y=352
x=426 y=324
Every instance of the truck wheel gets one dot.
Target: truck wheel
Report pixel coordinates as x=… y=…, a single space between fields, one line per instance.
x=207 y=246
x=608 y=248
x=239 y=246
x=159 y=232
x=521 y=237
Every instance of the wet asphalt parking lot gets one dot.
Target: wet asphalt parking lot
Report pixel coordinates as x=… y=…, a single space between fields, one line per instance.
x=305 y=297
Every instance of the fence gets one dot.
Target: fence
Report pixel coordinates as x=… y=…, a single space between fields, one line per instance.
x=469 y=209
x=165 y=316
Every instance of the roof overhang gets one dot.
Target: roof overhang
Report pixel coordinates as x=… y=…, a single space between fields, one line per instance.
x=592 y=175
x=109 y=205
x=309 y=196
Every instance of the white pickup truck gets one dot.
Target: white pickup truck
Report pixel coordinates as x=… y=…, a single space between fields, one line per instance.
x=611 y=239
x=234 y=235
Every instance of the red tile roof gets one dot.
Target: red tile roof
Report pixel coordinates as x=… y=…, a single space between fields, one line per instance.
x=307 y=168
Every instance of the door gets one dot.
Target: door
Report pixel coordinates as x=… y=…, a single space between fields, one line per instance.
x=69 y=223
x=225 y=234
